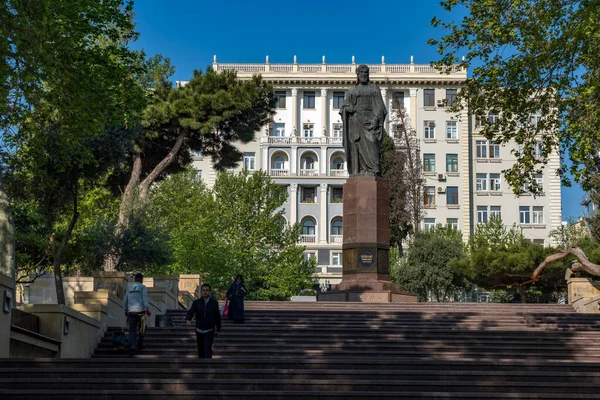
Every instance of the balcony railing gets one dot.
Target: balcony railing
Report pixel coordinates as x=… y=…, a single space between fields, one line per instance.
x=267 y=68
x=334 y=269
x=308 y=238
x=338 y=172
x=336 y=238
x=300 y=140
x=309 y=172
x=280 y=172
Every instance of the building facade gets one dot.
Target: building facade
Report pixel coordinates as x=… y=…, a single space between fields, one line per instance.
x=302 y=151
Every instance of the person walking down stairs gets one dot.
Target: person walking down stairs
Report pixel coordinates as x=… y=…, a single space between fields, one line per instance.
x=235 y=296
x=208 y=317
x=136 y=307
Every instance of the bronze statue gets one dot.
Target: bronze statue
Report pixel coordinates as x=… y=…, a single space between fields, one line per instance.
x=363 y=115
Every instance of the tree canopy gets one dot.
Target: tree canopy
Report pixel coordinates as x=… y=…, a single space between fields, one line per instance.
x=237 y=227
x=534 y=63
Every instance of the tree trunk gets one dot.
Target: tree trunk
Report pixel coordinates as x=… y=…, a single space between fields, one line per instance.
x=523 y=294
x=161 y=167
x=7 y=237
x=56 y=253
x=136 y=193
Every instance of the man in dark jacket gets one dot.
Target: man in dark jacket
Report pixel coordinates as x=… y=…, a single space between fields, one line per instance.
x=206 y=311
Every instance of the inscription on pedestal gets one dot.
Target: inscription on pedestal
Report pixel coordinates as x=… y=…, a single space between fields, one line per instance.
x=366 y=258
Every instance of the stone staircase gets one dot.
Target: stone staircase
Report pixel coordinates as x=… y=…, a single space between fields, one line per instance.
x=340 y=351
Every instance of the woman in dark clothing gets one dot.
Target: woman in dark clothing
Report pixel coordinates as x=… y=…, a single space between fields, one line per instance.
x=235 y=295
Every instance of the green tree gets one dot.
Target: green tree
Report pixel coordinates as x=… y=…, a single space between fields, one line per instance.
x=66 y=77
x=428 y=267
x=237 y=227
x=498 y=257
x=207 y=115
x=531 y=57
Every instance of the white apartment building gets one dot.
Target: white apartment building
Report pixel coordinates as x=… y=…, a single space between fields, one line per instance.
x=302 y=151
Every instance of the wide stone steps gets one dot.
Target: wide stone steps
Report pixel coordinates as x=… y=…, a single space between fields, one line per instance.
x=340 y=351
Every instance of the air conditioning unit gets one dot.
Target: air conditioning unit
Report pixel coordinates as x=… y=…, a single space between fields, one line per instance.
x=440 y=103
x=441 y=177
x=441 y=189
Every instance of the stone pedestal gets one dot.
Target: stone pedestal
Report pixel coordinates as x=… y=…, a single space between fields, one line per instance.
x=366 y=273
x=190 y=283
x=7 y=287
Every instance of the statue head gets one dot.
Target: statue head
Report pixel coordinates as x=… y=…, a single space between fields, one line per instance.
x=362 y=74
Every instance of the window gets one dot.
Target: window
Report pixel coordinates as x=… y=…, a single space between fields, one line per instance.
x=452 y=195
x=309 y=100
x=338 y=99
x=308 y=195
x=450 y=97
x=539 y=180
x=429 y=196
x=451 y=162
x=524 y=215
x=481 y=182
x=198 y=176
x=429 y=224
x=250 y=161
x=496 y=212
x=338 y=164
x=337 y=195
x=481 y=147
x=429 y=97
x=494 y=150
x=539 y=241
x=337 y=131
x=492 y=118
x=336 y=258
x=308 y=227
x=337 y=227
x=482 y=214
x=310 y=256
x=398 y=101
x=278 y=163
x=451 y=130
x=308 y=163
x=280 y=96
x=308 y=130
x=538 y=215
x=429 y=129
x=452 y=223
x=278 y=130
x=429 y=162
x=495 y=182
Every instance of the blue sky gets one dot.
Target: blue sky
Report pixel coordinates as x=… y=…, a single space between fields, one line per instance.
x=191 y=32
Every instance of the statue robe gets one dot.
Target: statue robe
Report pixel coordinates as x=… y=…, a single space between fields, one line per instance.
x=363 y=116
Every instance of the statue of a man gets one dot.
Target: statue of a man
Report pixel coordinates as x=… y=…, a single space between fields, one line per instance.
x=363 y=115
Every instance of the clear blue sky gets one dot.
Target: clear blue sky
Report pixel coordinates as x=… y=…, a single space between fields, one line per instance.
x=191 y=32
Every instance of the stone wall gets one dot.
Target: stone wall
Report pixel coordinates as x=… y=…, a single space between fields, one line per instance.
x=584 y=295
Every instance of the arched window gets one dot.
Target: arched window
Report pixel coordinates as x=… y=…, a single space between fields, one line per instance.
x=278 y=163
x=309 y=163
x=308 y=227
x=337 y=227
x=338 y=163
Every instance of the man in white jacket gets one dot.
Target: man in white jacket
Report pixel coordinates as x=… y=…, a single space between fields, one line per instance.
x=136 y=305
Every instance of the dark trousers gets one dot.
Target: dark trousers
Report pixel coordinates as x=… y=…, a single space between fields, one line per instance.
x=135 y=322
x=205 y=342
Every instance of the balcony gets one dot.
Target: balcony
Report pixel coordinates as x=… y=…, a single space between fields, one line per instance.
x=280 y=172
x=300 y=140
x=309 y=172
x=338 y=172
x=333 y=269
x=308 y=238
x=336 y=238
